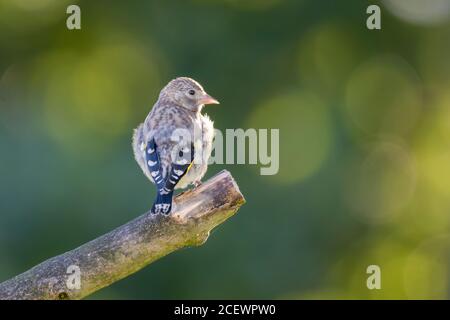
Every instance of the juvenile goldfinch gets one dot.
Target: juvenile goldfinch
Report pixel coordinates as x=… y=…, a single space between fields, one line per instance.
x=174 y=143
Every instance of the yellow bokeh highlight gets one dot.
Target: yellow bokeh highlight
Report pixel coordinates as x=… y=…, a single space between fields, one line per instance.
x=388 y=253
x=433 y=59
x=305 y=132
x=420 y=12
x=27 y=16
x=89 y=97
x=327 y=55
x=426 y=271
x=432 y=147
x=31 y=5
x=383 y=96
x=391 y=260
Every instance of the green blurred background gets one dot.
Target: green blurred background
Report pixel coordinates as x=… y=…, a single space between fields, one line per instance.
x=364 y=119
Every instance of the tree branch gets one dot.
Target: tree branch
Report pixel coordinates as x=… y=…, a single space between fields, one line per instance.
x=132 y=246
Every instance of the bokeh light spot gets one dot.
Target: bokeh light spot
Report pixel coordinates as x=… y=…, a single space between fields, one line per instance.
x=328 y=54
x=383 y=96
x=433 y=56
x=432 y=147
x=91 y=95
x=30 y=15
x=426 y=272
x=421 y=12
x=305 y=132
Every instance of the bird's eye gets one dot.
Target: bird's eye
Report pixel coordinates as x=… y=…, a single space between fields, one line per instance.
x=191 y=92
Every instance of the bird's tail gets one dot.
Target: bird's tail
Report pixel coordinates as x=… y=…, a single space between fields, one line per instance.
x=163 y=203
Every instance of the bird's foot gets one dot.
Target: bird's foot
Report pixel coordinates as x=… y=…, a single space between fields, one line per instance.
x=197 y=183
x=182 y=192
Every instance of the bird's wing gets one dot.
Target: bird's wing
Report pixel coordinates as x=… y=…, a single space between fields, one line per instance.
x=178 y=168
x=153 y=163
x=162 y=125
x=138 y=149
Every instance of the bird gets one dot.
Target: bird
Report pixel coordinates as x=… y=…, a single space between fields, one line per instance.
x=174 y=143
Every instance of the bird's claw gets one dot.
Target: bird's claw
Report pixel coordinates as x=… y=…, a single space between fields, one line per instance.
x=197 y=184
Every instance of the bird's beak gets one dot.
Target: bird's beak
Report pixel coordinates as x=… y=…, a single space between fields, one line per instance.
x=207 y=99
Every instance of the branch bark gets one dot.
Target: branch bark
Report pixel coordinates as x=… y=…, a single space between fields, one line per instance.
x=132 y=246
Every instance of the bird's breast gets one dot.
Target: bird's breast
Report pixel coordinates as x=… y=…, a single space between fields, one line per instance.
x=203 y=140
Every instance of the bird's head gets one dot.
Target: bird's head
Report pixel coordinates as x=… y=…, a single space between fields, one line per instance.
x=187 y=93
